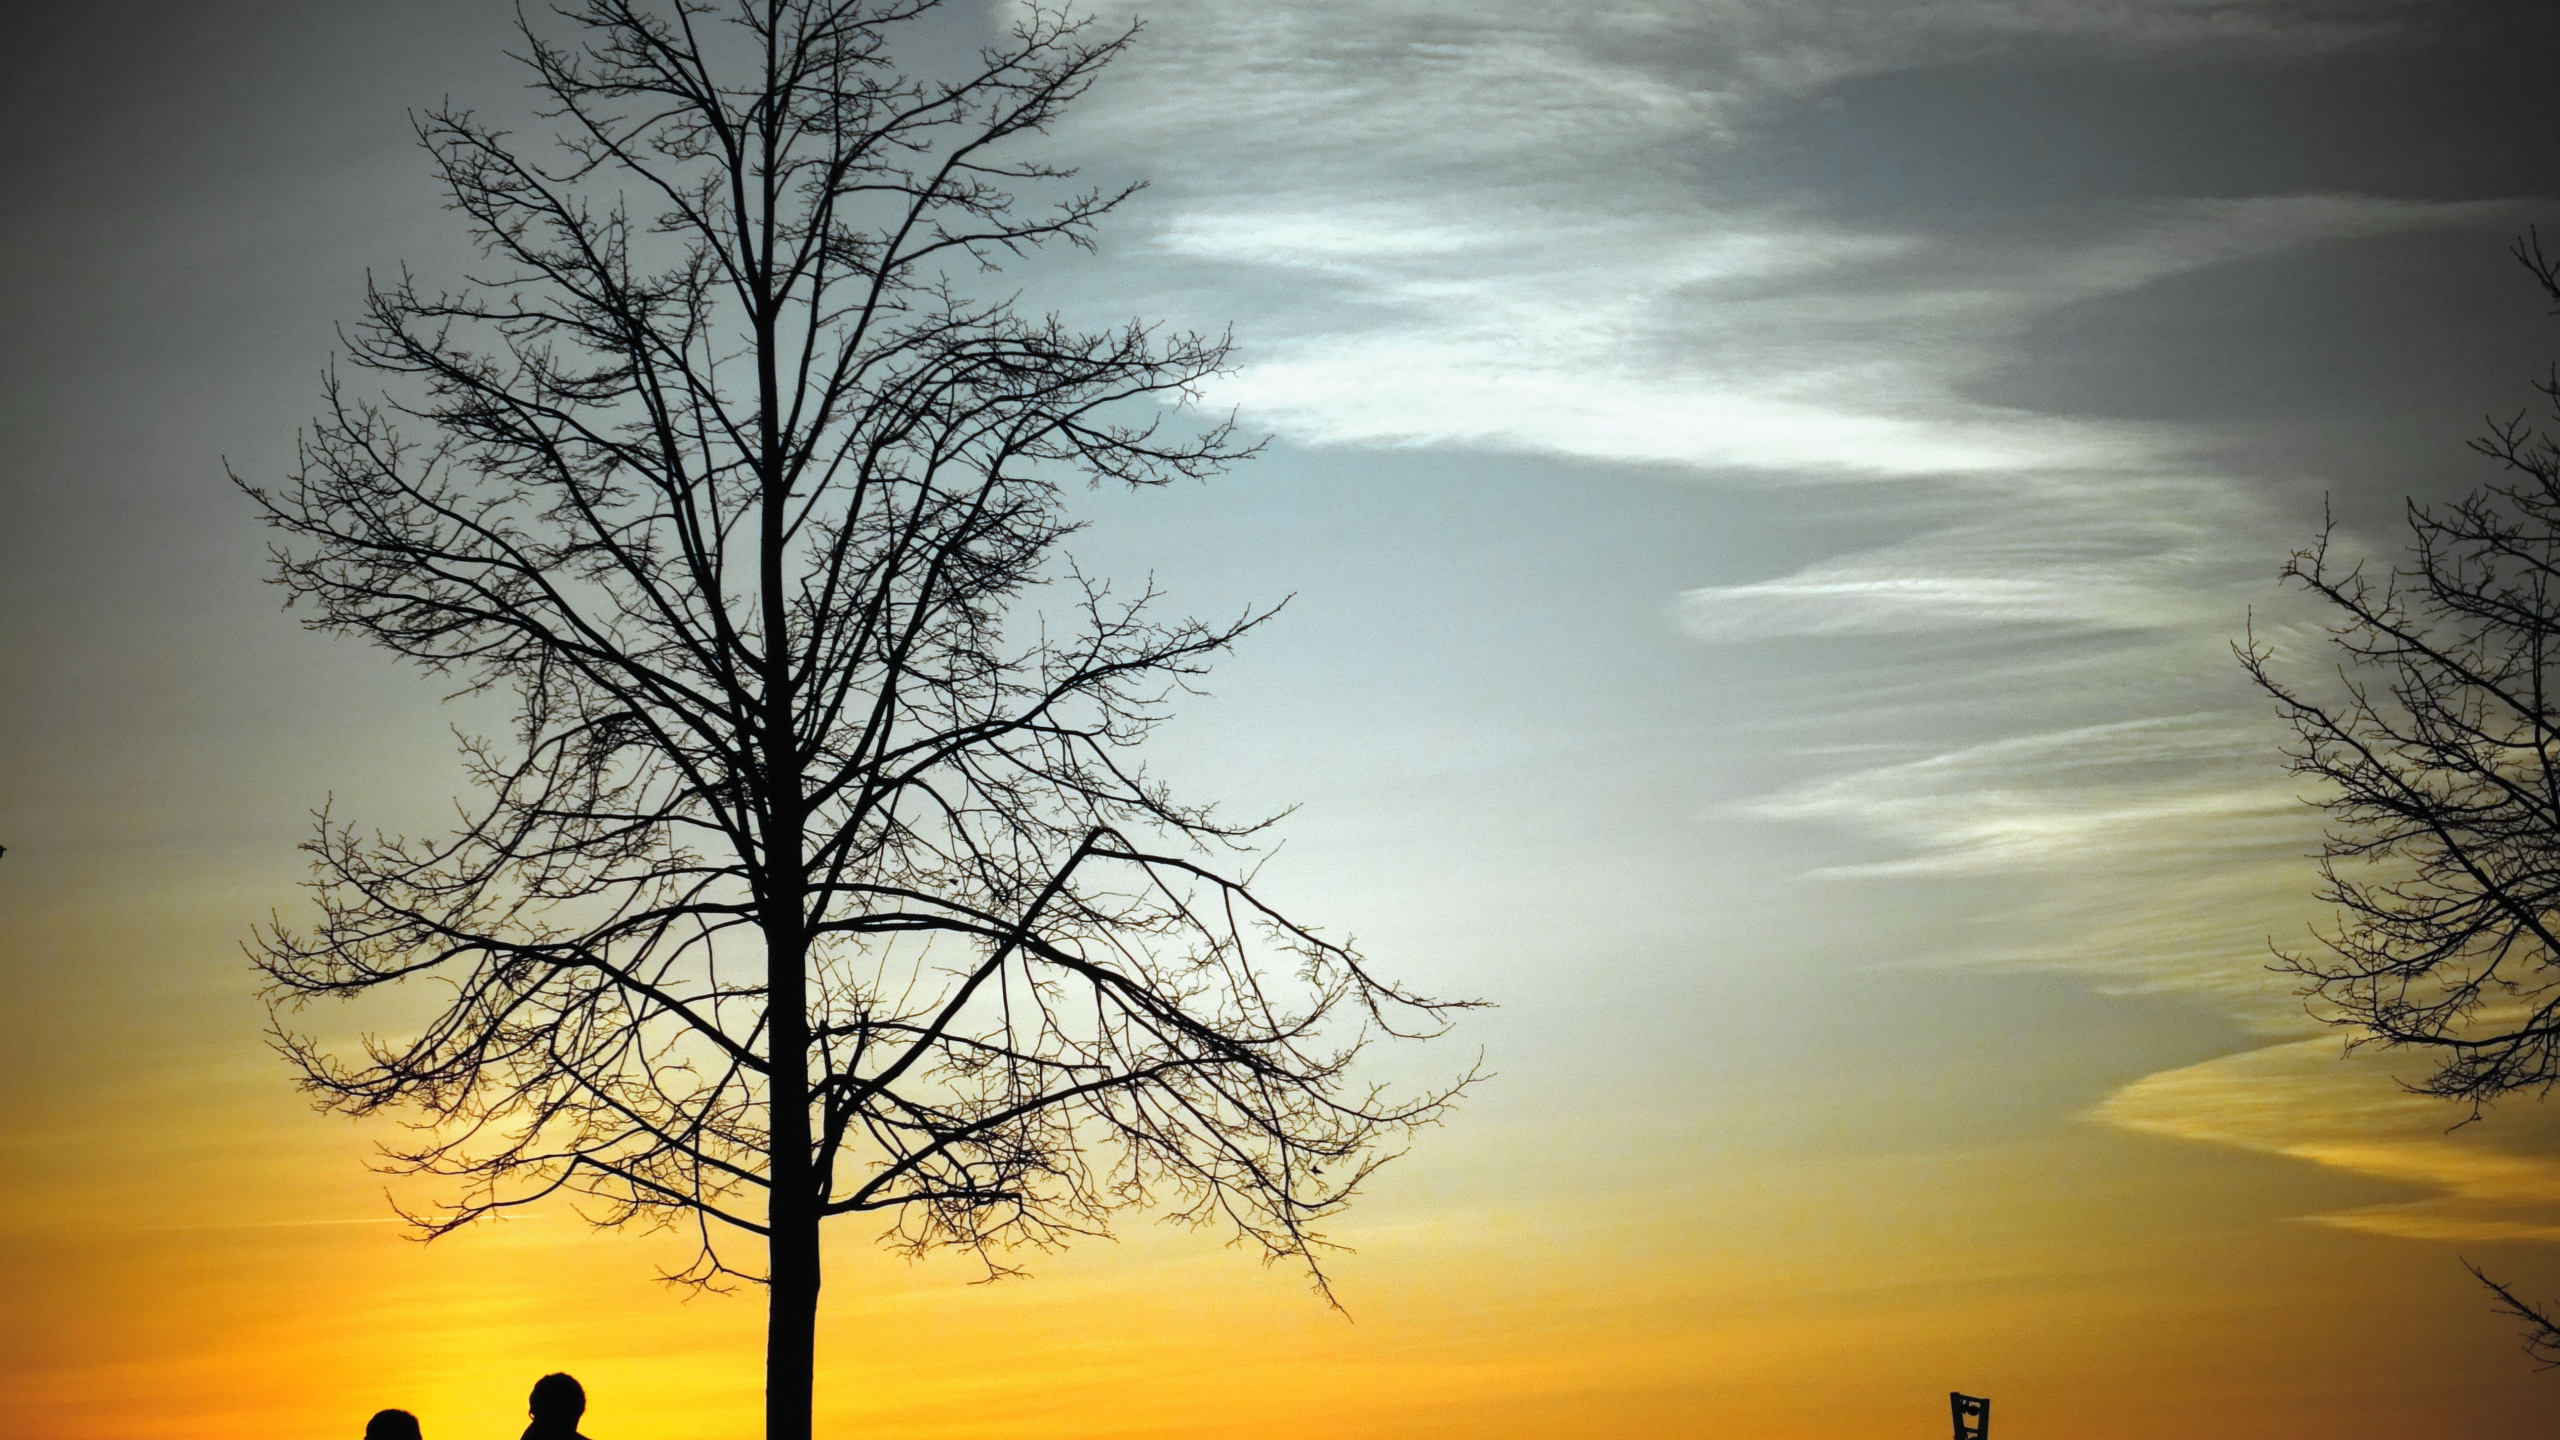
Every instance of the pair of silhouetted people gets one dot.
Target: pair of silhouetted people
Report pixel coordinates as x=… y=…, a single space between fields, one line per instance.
x=557 y=1404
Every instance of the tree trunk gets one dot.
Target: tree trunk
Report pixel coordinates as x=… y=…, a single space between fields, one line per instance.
x=791 y=1328
x=792 y=1203
x=791 y=1210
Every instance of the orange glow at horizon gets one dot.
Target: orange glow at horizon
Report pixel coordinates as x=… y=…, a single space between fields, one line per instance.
x=2096 y=1278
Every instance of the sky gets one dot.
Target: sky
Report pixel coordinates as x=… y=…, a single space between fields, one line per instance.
x=1767 y=489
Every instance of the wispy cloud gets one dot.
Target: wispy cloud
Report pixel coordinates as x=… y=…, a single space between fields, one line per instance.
x=1768 y=341
x=2153 y=853
x=1504 y=225
x=2117 y=550
x=2125 y=791
x=2489 y=1182
x=1494 y=77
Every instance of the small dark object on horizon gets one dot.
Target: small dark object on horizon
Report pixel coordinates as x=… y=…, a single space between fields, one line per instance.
x=392 y=1425
x=1975 y=1409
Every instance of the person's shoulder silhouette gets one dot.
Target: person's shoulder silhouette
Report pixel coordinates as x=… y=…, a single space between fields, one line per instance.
x=557 y=1403
x=392 y=1425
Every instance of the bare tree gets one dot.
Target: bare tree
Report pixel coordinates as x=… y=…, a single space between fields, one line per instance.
x=2437 y=754
x=818 y=877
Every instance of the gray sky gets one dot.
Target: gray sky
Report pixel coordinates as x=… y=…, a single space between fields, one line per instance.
x=1768 y=487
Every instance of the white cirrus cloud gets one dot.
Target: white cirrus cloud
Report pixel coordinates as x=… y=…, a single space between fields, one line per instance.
x=2125 y=790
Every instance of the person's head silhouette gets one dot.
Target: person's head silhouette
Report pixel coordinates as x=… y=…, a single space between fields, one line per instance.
x=391 y=1425
x=557 y=1403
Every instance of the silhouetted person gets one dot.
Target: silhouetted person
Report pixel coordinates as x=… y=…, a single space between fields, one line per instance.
x=392 y=1425
x=557 y=1403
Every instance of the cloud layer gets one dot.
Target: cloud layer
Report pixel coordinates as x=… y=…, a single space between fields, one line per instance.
x=1504 y=227
x=2491 y=1182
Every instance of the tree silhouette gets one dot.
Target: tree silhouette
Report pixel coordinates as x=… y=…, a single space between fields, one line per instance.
x=2437 y=754
x=818 y=876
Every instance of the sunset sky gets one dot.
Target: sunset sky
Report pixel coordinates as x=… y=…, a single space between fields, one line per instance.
x=1768 y=489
